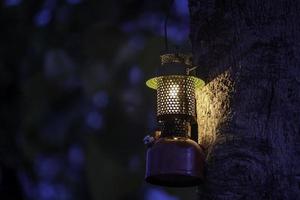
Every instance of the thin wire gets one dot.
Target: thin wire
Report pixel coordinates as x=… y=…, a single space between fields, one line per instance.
x=166 y=25
x=188 y=70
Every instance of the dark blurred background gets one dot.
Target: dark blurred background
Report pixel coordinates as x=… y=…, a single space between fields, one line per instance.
x=74 y=105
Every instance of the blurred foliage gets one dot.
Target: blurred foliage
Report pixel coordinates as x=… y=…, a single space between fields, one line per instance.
x=74 y=104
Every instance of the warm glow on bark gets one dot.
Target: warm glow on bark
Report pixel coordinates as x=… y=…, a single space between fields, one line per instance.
x=213 y=109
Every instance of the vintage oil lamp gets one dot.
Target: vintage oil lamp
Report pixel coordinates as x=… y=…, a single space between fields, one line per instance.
x=173 y=157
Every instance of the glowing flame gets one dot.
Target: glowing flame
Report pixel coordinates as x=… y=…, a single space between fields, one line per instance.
x=174 y=90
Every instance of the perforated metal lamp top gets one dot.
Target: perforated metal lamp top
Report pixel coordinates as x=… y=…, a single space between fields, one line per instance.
x=152 y=83
x=176 y=95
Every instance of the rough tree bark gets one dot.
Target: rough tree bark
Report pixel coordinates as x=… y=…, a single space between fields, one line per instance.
x=249 y=112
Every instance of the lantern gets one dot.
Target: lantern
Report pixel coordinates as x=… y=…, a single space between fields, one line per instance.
x=173 y=157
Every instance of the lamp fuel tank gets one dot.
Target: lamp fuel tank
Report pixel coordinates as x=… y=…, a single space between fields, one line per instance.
x=174 y=162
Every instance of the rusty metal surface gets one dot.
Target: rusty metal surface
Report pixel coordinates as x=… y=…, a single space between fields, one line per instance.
x=177 y=58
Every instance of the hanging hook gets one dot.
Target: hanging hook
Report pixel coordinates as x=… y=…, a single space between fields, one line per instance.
x=188 y=70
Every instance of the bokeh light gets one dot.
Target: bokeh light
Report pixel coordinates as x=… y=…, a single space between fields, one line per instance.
x=77 y=70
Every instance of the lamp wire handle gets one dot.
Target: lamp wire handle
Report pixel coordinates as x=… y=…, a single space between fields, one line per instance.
x=166 y=25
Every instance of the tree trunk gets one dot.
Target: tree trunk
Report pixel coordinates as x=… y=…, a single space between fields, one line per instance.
x=249 y=111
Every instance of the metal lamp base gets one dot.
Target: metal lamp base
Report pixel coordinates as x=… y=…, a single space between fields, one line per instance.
x=175 y=162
